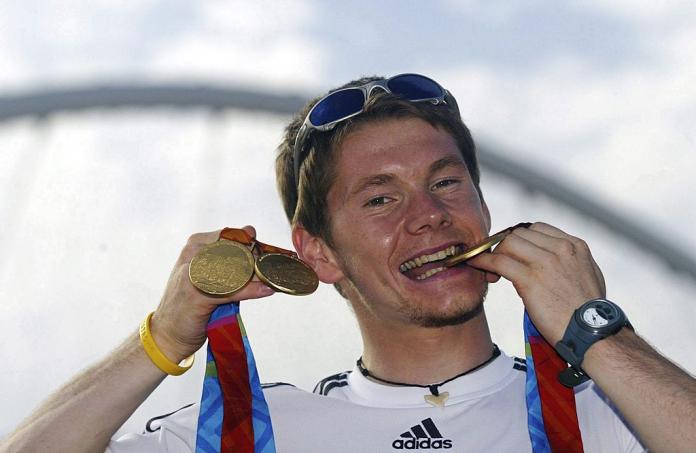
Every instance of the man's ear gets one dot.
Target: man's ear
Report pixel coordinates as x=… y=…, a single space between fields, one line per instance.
x=317 y=254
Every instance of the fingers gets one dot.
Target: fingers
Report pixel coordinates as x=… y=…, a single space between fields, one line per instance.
x=184 y=311
x=492 y=277
x=250 y=230
x=253 y=290
x=500 y=265
x=522 y=246
x=552 y=271
x=541 y=242
x=562 y=244
x=198 y=240
x=548 y=229
x=527 y=247
x=550 y=239
x=195 y=242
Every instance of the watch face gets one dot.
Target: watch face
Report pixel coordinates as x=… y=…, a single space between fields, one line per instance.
x=594 y=318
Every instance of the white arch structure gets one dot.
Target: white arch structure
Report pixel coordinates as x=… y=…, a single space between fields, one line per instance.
x=40 y=104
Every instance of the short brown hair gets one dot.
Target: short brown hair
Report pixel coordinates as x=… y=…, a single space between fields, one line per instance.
x=306 y=203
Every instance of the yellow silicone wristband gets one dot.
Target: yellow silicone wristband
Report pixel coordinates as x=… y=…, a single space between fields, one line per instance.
x=157 y=357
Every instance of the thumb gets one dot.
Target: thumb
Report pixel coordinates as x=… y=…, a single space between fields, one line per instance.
x=484 y=263
x=250 y=230
x=492 y=277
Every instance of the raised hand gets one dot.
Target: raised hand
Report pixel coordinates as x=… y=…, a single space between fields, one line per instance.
x=553 y=272
x=179 y=323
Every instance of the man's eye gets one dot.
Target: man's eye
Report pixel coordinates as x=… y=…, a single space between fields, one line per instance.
x=444 y=183
x=376 y=202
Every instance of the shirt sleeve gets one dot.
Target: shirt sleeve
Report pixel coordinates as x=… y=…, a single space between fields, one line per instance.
x=172 y=433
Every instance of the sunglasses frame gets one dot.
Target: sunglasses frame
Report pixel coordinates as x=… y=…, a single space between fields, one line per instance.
x=367 y=89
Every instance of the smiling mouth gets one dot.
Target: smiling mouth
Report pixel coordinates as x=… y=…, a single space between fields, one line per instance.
x=425 y=266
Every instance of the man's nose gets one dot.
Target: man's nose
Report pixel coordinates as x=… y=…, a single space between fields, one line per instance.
x=426 y=212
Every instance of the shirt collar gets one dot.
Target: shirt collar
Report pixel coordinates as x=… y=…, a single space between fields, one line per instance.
x=481 y=382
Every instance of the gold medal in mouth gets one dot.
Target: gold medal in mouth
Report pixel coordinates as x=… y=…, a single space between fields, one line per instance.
x=486 y=244
x=431 y=264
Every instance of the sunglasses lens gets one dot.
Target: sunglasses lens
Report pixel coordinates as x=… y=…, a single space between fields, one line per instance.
x=336 y=106
x=414 y=87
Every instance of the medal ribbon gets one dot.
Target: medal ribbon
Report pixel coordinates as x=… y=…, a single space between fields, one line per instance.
x=551 y=414
x=234 y=415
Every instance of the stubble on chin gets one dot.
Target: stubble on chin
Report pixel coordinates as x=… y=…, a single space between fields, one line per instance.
x=412 y=311
x=460 y=314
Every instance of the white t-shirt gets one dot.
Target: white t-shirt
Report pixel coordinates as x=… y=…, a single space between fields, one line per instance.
x=485 y=411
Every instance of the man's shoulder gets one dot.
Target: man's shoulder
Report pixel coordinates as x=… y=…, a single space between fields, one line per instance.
x=175 y=431
x=172 y=432
x=275 y=385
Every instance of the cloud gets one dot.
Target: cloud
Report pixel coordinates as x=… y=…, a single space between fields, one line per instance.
x=241 y=41
x=602 y=96
x=644 y=12
x=260 y=43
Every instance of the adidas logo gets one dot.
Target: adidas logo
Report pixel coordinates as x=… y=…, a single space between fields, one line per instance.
x=423 y=435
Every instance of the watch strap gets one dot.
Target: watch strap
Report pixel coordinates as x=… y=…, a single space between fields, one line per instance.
x=574 y=343
x=578 y=339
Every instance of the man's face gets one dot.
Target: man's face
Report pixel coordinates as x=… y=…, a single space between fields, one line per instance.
x=403 y=197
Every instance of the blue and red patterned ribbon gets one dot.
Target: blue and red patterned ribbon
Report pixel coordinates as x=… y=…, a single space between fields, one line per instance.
x=551 y=414
x=234 y=416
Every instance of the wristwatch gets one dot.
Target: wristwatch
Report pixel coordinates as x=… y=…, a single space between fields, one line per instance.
x=593 y=321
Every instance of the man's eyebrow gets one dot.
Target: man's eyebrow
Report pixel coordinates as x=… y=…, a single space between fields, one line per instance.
x=369 y=181
x=449 y=161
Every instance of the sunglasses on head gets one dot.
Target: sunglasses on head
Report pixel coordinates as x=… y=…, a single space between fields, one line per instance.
x=346 y=103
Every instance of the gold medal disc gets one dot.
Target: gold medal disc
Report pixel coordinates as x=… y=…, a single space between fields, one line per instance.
x=221 y=268
x=486 y=244
x=286 y=274
x=477 y=249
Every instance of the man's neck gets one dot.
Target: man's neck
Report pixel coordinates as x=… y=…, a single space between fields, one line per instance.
x=420 y=355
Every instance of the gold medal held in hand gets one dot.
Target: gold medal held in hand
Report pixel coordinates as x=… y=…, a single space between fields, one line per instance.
x=221 y=268
x=226 y=266
x=286 y=274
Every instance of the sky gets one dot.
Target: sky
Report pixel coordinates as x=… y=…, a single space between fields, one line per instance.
x=96 y=205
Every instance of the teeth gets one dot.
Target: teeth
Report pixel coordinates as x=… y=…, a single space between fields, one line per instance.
x=430 y=273
x=421 y=260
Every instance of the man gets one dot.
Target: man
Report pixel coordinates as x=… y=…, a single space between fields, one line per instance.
x=380 y=183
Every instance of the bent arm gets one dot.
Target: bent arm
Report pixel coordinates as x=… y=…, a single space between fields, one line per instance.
x=84 y=414
x=554 y=274
x=657 y=398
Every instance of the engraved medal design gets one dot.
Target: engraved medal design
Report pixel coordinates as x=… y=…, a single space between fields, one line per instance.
x=286 y=274
x=221 y=268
